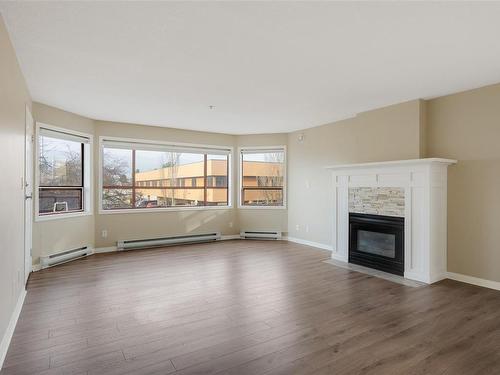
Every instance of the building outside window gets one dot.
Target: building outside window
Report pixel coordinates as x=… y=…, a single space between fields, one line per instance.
x=262 y=177
x=63 y=172
x=142 y=176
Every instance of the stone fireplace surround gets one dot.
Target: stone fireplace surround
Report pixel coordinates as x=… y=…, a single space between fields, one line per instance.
x=388 y=201
x=425 y=194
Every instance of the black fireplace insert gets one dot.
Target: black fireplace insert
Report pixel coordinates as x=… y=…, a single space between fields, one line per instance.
x=377 y=241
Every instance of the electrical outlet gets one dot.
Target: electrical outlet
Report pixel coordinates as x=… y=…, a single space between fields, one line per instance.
x=307 y=228
x=297 y=227
x=104 y=233
x=230 y=224
x=308 y=184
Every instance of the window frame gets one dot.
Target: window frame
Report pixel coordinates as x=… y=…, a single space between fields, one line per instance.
x=87 y=170
x=131 y=141
x=240 y=177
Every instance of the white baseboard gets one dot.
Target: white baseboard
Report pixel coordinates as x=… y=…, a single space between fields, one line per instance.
x=100 y=250
x=226 y=237
x=4 y=345
x=416 y=277
x=473 y=280
x=308 y=243
x=438 y=277
x=339 y=258
x=36 y=267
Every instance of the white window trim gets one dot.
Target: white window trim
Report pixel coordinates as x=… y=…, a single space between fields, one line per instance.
x=88 y=190
x=240 y=178
x=229 y=206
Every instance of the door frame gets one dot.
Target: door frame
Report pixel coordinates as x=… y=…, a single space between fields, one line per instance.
x=29 y=138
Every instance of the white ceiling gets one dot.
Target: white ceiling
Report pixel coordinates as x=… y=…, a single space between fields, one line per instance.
x=266 y=66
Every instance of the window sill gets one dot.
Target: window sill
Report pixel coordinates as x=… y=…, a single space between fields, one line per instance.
x=70 y=215
x=164 y=209
x=262 y=207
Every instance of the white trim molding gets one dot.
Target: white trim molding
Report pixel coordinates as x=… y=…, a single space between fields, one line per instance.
x=133 y=143
x=162 y=209
x=59 y=216
x=308 y=243
x=226 y=237
x=392 y=163
x=102 y=250
x=473 y=280
x=9 y=332
x=241 y=150
x=88 y=172
x=425 y=187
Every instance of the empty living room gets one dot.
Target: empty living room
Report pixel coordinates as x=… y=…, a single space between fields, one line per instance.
x=250 y=187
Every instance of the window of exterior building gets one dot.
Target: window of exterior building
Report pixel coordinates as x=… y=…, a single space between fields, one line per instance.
x=262 y=177
x=63 y=172
x=143 y=176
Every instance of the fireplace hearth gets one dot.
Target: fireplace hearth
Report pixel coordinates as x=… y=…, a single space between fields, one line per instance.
x=377 y=241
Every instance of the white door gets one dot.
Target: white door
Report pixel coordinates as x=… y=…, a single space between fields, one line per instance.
x=28 y=193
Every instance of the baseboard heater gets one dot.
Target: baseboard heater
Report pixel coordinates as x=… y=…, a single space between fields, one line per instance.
x=64 y=256
x=166 y=241
x=260 y=235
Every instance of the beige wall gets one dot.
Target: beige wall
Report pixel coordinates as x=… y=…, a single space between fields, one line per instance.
x=423 y=128
x=14 y=97
x=63 y=233
x=134 y=225
x=262 y=218
x=466 y=126
x=389 y=133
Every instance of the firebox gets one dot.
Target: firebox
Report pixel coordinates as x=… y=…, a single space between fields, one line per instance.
x=377 y=241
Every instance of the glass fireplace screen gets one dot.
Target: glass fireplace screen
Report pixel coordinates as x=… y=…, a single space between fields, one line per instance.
x=383 y=244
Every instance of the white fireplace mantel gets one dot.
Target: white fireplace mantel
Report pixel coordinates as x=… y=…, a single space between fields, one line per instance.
x=425 y=185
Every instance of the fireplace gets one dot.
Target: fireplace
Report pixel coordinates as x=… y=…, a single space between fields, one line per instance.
x=377 y=241
x=424 y=182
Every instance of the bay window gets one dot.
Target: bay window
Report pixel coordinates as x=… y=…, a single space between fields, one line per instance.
x=262 y=177
x=152 y=176
x=63 y=172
